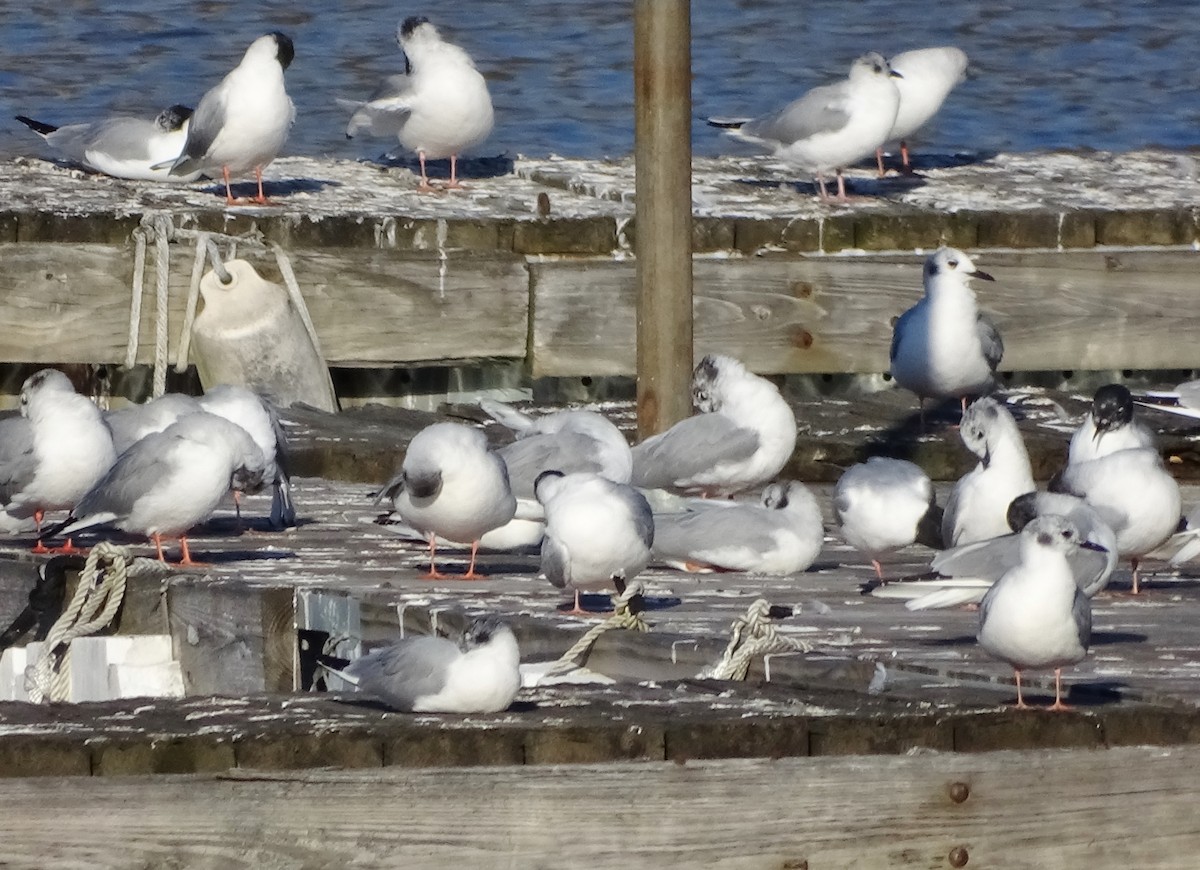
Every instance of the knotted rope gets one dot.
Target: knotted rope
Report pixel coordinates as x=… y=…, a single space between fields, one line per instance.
x=751 y=636
x=622 y=617
x=97 y=598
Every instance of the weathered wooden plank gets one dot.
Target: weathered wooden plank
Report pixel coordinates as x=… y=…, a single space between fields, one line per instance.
x=70 y=303
x=1056 y=310
x=1067 y=808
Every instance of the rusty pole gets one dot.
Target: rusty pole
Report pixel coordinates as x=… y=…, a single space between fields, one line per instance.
x=662 y=80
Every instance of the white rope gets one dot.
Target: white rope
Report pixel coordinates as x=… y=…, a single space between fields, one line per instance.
x=135 y=301
x=193 y=299
x=162 y=264
x=751 y=636
x=293 y=288
x=622 y=617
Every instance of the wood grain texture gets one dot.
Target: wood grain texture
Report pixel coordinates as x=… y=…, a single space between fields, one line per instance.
x=1068 y=310
x=70 y=303
x=1062 y=809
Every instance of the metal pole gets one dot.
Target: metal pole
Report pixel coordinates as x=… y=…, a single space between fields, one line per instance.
x=662 y=80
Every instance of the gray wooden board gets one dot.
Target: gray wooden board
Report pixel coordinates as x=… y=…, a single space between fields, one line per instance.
x=1055 y=310
x=1067 y=808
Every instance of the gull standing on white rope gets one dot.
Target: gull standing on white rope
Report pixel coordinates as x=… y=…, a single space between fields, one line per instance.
x=241 y=124
x=439 y=108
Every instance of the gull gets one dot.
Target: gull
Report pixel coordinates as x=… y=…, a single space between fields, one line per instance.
x=241 y=124
x=927 y=76
x=831 y=126
x=1183 y=401
x=259 y=418
x=122 y=147
x=53 y=453
x=978 y=505
x=1035 y=616
x=1109 y=426
x=170 y=481
x=597 y=532
x=1133 y=492
x=439 y=108
x=133 y=423
x=451 y=485
x=781 y=534
x=968 y=571
x=477 y=674
x=743 y=436
x=944 y=346
x=885 y=504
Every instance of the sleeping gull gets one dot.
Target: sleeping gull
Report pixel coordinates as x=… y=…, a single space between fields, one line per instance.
x=884 y=504
x=978 y=505
x=927 y=76
x=170 y=481
x=451 y=485
x=53 y=453
x=743 y=436
x=1133 y=492
x=430 y=674
x=1109 y=426
x=1035 y=616
x=439 y=108
x=597 y=532
x=944 y=346
x=131 y=424
x=831 y=126
x=241 y=124
x=122 y=147
x=780 y=534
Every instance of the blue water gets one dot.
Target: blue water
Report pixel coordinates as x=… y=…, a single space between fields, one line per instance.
x=1109 y=74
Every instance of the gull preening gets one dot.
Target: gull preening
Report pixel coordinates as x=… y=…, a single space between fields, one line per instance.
x=743 y=436
x=53 y=453
x=241 y=124
x=1109 y=426
x=831 y=126
x=451 y=485
x=429 y=674
x=439 y=108
x=123 y=147
x=927 y=76
x=978 y=505
x=598 y=533
x=944 y=346
x=1035 y=616
x=780 y=534
x=884 y=504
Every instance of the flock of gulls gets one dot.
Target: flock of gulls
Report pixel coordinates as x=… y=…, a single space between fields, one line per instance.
x=440 y=107
x=569 y=484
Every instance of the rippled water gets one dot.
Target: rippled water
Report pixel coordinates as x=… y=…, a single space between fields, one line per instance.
x=1115 y=74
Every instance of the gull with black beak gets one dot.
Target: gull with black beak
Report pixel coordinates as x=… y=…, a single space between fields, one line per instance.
x=944 y=346
x=1109 y=426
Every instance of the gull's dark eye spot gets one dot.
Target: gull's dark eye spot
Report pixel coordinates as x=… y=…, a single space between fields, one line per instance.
x=953 y=264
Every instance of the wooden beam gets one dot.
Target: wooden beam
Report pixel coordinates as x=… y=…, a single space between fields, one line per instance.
x=1114 y=808
x=662 y=76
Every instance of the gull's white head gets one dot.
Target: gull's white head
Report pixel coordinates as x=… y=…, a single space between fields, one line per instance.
x=952 y=264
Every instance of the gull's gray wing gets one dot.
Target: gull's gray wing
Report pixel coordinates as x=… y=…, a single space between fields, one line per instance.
x=556 y=562
x=18 y=462
x=639 y=509
x=121 y=138
x=990 y=340
x=563 y=451
x=729 y=538
x=206 y=123
x=385 y=112
x=409 y=669
x=283 y=511
x=821 y=110
x=690 y=447
x=1081 y=612
x=135 y=473
x=987 y=560
x=901 y=322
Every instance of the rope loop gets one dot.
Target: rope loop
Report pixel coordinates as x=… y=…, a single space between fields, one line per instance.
x=750 y=637
x=622 y=617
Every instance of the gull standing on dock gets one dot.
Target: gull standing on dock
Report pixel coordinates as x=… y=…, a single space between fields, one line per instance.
x=831 y=126
x=944 y=346
x=743 y=436
x=123 y=147
x=439 y=108
x=1133 y=492
x=170 y=481
x=451 y=485
x=429 y=674
x=598 y=533
x=927 y=76
x=241 y=124
x=978 y=505
x=53 y=453
x=1036 y=616
x=1109 y=426
x=884 y=504
x=779 y=535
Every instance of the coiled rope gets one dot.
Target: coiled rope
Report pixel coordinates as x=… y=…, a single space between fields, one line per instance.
x=751 y=636
x=623 y=616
